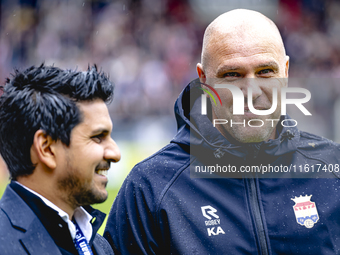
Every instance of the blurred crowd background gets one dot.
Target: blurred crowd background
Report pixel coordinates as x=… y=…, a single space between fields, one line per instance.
x=150 y=49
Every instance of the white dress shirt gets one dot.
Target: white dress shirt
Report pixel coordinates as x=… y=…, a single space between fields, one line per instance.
x=81 y=216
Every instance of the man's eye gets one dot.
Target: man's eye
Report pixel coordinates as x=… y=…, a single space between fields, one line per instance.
x=231 y=74
x=266 y=71
x=97 y=138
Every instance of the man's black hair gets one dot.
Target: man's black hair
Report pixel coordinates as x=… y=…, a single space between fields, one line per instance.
x=44 y=98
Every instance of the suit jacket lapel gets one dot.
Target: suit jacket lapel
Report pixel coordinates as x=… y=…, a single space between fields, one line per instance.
x=35 y=238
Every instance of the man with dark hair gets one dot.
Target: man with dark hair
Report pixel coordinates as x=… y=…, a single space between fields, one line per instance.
x=55 y=137
x=162 y=209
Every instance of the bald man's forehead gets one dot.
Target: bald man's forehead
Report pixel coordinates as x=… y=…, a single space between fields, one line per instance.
x=229 y=34
x=244 y=28
x=243 y=39
x=239 y=18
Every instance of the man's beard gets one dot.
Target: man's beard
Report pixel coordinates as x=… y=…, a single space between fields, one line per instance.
x=250 y=134
x=79 y=192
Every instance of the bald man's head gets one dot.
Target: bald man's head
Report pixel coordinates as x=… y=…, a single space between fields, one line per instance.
x=240 y=45
x=237 y=26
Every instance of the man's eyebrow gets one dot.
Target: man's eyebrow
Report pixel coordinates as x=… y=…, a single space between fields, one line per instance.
x=269 y=64
x=228 y=68
x=100 y=131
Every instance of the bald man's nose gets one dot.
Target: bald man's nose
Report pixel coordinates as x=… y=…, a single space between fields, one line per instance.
x=254 y=85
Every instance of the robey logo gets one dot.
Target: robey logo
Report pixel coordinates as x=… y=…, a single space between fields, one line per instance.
x=209 y=212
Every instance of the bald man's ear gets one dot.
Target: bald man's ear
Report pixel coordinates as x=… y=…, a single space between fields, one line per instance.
x=43 y=150
x=201 y=73
x=287 y=66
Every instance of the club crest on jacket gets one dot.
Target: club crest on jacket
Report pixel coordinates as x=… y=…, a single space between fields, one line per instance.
x=305 y=211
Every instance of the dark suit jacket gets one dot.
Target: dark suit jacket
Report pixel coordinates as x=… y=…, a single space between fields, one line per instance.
x=22 y=233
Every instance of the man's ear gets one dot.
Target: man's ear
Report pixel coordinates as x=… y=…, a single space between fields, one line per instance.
x=287 y=66
x=43 y=150
x=201 y=73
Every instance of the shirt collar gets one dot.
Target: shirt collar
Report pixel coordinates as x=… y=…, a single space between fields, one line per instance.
x=82 y=217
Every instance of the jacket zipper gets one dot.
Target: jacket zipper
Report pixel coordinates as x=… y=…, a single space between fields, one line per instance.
x=255 y=209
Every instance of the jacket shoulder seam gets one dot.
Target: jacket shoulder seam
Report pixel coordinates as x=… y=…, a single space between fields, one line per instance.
x=309 y=157
x=170 y=183
x=319 y=159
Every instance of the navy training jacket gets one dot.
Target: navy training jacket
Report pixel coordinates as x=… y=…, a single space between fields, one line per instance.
x=162 y=209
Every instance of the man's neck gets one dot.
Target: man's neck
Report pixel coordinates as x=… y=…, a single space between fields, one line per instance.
x=47 y=192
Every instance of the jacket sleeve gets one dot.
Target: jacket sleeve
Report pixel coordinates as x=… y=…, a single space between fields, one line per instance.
x=131 y=226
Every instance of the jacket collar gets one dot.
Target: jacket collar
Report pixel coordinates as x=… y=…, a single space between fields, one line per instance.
x=35 y=237
x=25 y=220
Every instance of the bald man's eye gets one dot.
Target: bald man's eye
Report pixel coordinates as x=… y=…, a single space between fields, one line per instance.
x=266 y=72
x=231 y=75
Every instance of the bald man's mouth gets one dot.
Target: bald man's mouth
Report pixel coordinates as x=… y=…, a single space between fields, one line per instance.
x=260 y=108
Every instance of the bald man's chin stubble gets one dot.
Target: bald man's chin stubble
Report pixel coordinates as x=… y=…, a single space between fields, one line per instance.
x=237 y=129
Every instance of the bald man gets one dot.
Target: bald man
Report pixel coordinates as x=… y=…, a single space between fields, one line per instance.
x=198 y=196
x=243 y=50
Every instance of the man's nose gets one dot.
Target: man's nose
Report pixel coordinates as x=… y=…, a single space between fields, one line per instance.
x=254 y=85
x=112 y=152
